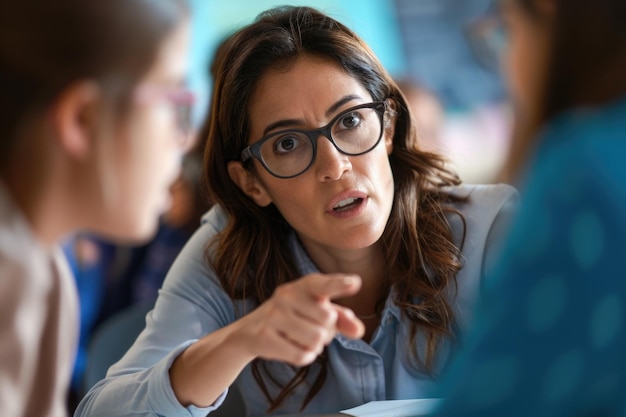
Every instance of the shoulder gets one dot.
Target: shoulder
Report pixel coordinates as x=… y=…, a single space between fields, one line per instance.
x=191 y=267
x=479 y=223
x=216 y=218
x=26 y=275
x=212 y=223
x=479 y=217
x=481 y=196
x=22 y=257
x=476 y=207
x=579 y=162
x=586 y=142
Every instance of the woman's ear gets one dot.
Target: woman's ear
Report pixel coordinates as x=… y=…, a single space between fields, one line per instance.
x=389 y=124
x=248 y=183
x=75 y=117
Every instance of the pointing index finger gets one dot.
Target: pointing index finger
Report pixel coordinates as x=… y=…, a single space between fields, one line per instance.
x=335 y=286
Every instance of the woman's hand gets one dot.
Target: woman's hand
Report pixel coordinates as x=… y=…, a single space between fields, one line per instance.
x=300 y=319
x=293 y=326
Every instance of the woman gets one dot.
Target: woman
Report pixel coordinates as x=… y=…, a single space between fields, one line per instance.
x=339 y=260
x=550 y=337
x=90 y=98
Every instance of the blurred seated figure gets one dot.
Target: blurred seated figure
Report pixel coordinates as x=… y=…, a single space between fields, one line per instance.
x=549 y=333
x=139 y=270
x=428 y=112
x=475 y=140
x=92 y=132
x=111 y=277
x=87 y=256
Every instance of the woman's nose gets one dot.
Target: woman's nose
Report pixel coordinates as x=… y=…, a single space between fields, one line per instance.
x=330 y=164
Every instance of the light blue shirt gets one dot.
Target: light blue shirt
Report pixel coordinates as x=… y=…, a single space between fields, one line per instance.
x=192 y=304
x=550 y=333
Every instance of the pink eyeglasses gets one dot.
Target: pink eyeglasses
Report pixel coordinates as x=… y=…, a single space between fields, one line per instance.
x=180 y=99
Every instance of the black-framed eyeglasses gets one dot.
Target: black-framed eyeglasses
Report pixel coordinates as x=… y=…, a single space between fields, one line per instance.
x=289 y=153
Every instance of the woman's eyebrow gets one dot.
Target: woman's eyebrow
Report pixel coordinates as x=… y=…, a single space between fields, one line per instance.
x=295 y=122
x=282 y=123
x=346 y=99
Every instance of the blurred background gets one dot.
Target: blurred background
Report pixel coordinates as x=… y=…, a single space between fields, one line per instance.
x=430 y=46
x=433 y=48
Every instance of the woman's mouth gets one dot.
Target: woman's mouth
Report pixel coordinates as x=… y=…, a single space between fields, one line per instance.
x=347 y=204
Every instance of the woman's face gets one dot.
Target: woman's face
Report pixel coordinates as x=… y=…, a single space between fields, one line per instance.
x=341 y=201
x=147 y=154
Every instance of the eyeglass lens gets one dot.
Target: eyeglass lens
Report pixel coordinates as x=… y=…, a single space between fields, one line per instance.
x=289 y=153
x=183 y=117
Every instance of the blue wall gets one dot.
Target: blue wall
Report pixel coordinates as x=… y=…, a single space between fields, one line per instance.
x=439 y=51
x=374 y=20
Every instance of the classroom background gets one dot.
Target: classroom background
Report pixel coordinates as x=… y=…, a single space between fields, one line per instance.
x=433 y=48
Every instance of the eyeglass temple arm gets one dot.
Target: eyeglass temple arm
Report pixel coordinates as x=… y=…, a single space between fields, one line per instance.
x=246 y=154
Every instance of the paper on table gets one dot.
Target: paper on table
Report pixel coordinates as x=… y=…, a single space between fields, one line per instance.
x=394 y=408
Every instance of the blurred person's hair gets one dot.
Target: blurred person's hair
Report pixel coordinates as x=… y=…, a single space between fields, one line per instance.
x=586 y=65
x=47 y=45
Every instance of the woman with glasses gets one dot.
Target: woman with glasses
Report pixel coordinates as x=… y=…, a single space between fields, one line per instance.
x=90 y=139
x=340 y=263
x=551 y=335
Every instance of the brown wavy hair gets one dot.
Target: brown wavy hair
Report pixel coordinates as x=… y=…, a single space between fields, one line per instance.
x=585 y=67
x=251 y=256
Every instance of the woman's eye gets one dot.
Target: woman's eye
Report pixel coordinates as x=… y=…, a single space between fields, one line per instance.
x=350 y=121
x=286 y=144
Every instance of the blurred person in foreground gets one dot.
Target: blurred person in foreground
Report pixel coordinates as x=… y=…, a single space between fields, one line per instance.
x=112 y=276
x=340 y=262
x=91 y=136
x=550 y=335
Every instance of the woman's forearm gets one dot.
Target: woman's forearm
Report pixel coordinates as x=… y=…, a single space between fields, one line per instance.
x=208 y=367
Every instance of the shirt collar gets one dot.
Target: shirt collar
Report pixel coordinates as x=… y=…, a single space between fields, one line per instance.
x=306 y=266
x=303 y=262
